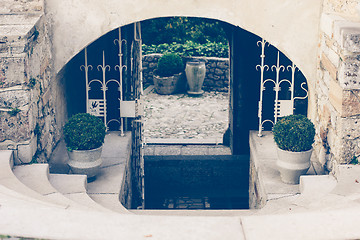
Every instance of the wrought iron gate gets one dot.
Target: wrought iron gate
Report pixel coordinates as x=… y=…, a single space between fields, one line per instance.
x=282 y=99
x=116 y=98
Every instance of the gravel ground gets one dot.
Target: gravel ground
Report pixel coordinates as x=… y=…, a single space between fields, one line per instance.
x=180 y=116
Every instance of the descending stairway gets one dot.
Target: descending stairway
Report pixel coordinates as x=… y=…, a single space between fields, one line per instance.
x=70 y=191
x=38 y=204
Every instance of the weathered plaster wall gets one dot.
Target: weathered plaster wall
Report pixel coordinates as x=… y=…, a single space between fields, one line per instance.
x=290 y=25
x=338 y=84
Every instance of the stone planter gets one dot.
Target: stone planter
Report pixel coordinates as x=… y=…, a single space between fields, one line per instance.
x=292 y=165
x=195 y=75
x=86 y=162
x=169 y=85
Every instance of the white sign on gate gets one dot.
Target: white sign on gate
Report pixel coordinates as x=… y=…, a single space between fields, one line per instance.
x=96 y=107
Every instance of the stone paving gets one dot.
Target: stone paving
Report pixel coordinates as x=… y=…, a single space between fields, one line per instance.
x=180 y=116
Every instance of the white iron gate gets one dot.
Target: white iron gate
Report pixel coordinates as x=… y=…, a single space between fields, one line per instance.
x=282 y=105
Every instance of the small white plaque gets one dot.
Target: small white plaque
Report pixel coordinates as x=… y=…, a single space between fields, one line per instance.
x=96 y=107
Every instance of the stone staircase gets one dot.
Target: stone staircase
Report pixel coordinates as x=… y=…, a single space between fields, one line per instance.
x=35 y=203
x=38 y=204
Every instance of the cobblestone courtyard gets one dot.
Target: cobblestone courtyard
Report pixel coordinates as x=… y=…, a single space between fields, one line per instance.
x=180 y=116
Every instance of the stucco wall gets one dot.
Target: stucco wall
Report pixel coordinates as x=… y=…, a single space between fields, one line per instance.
x=290 y=25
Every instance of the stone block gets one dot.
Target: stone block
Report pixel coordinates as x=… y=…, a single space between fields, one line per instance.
x=325 y=116
x=333 y=57
x=327 y=23
x=349 y=73
x=343 y=28
x=351 y=128
x=351 y=103
x=348 y=149
x=194 y=150
x=327 y=65
x=166 y=150
x=25 y=152
x=324 y=88
x=11 y=72
x=14 y=98
x=346 y=102
x=16 y=128
x=46 y=96
x=219 y=72
x=351 y=39
x=336 y=96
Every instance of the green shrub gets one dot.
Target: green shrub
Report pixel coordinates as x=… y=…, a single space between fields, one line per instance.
x=190 y=49
x=14 y=111
x=169 y=64
x=181 y=29
x=294 y=133
x=83 y=132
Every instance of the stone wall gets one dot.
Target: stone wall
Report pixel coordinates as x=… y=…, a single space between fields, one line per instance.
x=217 y=71
x=338 y=86
x=27 y=96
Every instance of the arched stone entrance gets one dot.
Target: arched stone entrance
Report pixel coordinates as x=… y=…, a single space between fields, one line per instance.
x=244 y=84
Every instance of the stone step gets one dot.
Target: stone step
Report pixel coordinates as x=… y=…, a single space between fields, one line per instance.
x=10 y=181
x=203 y=213
x=316 y=185
x=36 y=177
x=185 y=147
x=106 y=187
x=9 y=194
x=74 y=186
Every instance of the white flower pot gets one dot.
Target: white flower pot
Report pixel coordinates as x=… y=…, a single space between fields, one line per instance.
x=86 y=162
x=292 y=165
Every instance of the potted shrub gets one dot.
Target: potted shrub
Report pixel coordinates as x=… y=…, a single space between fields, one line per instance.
x=84 y=136
x=294 y=136
x=168 y=75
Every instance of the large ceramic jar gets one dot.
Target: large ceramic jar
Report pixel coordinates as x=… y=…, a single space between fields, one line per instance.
x=195 y=75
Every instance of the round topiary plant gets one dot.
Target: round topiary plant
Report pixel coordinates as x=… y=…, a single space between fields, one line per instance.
x=294 y=133
x=169 y=64
x=84 y=132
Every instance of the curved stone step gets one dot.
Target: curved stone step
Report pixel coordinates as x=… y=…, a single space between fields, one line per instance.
x=105 y=189
x=73 y=186
x=10 y=181
x=196 y=213
x=36 y=177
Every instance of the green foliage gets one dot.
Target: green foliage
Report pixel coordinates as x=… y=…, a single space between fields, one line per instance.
x=84 y=132
x=294 y=133
x=181 y=29
x=32 y=83
x=354 y=161
x=169 y=64
x=14 y=111
x=189 y=49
